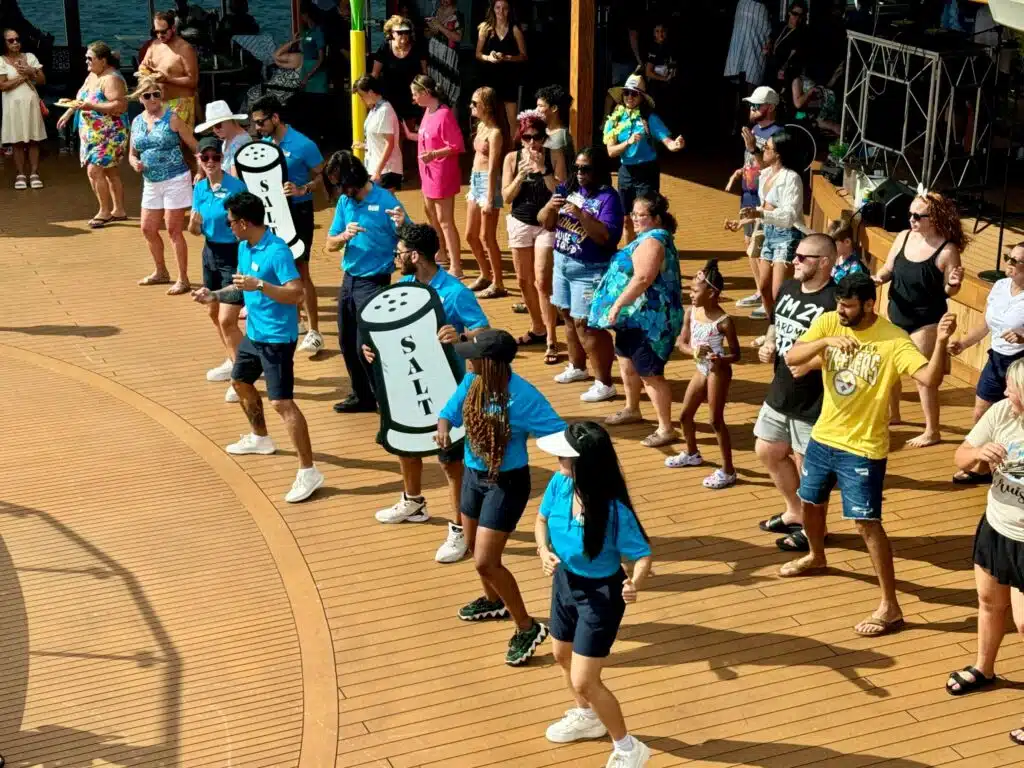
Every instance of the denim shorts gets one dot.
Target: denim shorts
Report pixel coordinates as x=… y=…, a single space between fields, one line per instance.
x=573 y=283
x=587 y=612
x=780 y=244
x=859 y=479
x=478 y=190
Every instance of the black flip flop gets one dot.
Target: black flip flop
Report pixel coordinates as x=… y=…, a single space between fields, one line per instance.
x=969 y=477
x=794 y=542
x=969 y=686
x=774 y=524
x=95 y=223
x=530 y=338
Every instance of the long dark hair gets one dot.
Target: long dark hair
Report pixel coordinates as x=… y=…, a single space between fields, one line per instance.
x=601 y=168
x=599 y=483
x=786 y=148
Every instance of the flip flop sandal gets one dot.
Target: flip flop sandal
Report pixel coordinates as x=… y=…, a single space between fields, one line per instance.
x=968 y=686
x=119 y=218
x=969 y=477
x=479 y=284
x=155 y=280
x=794 y=542
x=530 y=338
x=551 y=355
x=95 y=223
x=493 y=293
x=519 y=308
x=884 y=627
x=774 y=524
x=659 y=439
x=623 y=417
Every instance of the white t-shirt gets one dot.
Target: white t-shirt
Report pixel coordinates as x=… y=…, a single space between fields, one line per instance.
x=381 y=122
x=1005 y=509
x=1004 y=311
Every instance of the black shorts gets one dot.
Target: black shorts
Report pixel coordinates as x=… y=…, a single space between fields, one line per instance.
x=499 y=505
x=587 y=612
x=992 y=382
x=220 y=263
x=275 y=361
x=637 y=180
x=1003 y=558
x=633 y=343
x=391 y=181
x=302 y=218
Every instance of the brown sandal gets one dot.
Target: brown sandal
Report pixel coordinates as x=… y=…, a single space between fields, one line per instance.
x=493 y=293
x=551 y=355
x=179 y=287
x=479 y=284
x=155 y=279
x=659 y=439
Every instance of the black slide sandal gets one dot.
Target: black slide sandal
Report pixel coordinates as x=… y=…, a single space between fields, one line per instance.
x=774 y=524
x=969 y=686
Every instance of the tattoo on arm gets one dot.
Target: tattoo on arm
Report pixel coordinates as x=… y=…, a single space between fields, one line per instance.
x=229 y=294
x=254 y=412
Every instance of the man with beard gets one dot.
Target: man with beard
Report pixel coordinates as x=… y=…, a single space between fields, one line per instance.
x=417 y=246
x=863 y=356
x=175 y=65
x=792 y=405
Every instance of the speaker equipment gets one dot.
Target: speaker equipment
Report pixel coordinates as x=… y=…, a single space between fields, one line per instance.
x=890 y=206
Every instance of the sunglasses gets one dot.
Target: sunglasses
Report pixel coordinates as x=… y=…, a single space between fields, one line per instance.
x=13 y=40
x=1012 y=261
x=583 y=168
x=161 y=32
x=915 y=216
x=150 y=95
x=262 y=121
x=630 y=92
x=802 y=257
x=210 y=158
x=532 y=137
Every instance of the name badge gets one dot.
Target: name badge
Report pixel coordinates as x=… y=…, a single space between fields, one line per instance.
x=254 y=267
x=373 y=208
x=286 y=153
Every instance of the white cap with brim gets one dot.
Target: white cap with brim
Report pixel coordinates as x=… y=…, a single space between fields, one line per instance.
x=557 y=445
x=218 y=112
x=403 y=27
x=763 y=95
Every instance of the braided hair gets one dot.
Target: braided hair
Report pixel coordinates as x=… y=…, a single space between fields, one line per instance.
x=485 y=413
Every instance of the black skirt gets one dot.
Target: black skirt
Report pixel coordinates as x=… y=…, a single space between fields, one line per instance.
x=1003 y=558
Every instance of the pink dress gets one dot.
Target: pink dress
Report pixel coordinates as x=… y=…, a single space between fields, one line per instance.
x=440 y=178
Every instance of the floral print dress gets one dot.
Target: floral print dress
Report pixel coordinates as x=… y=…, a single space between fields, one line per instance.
x=103 y=138
x=659 y=311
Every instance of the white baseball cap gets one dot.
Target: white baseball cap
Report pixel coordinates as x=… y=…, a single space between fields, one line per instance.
x=763 y=95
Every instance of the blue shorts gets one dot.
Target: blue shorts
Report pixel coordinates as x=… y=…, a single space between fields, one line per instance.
x=573 y=283
x=275 y=361
x=498 y=505
x=633 y=343
x=478 y=190
x=992 y=382
x=860 y=480
x=587 y=612
x=780 y=244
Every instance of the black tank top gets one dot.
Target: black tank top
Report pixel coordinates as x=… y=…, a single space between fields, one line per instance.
x=917 y=296
x=533 y=193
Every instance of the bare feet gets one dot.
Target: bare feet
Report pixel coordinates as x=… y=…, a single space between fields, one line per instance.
x=804 y=566
x=924 y=440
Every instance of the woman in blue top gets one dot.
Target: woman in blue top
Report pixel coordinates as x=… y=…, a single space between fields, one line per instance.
x=499 y=410
x=641 y=297
x=157 y=136
x=585 y=528
x=632 y=133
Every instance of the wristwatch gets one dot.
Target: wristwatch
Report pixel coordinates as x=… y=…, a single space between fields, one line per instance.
x=259 y=286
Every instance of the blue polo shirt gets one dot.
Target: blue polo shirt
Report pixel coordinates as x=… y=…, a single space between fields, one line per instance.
x=529 y=413
x=622 y=537
x=371 y=252
x=209 y=204
x=301 y=155
x=269 y=260
x=461 y=309
x=644 y=151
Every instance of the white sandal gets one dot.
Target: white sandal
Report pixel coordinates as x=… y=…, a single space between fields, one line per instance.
x=719 y=479
x=684 y=459
x=35 y=182
x=20 y=182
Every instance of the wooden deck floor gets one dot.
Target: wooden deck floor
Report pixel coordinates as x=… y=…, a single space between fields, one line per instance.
x=162 y=606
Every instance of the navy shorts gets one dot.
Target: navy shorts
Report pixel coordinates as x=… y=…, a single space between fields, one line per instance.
x=992 y=382
x=275 y=361
x=498 y=505
x=636 y=181
x=220 y=263
x=302 y=217
x=587 y=612
x=859 y=479
x=633 y=343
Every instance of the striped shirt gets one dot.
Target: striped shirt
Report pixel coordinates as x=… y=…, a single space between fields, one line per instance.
x=750 y=32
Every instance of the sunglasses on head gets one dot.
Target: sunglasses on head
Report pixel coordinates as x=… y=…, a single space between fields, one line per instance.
x=915 y=216
x=531 y=137
x=150 y=95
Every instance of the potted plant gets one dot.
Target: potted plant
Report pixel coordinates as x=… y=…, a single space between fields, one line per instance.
x=833 y=166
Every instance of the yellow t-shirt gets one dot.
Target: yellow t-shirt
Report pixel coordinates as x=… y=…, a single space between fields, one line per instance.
x=855 y=409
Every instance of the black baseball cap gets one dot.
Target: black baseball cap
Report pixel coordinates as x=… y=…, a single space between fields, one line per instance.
x=492 y=344
x=209 y=142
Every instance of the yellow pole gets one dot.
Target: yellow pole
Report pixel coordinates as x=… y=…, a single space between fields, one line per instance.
x=357 y=40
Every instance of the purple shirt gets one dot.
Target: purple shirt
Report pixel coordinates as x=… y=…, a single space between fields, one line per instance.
x=570 y=239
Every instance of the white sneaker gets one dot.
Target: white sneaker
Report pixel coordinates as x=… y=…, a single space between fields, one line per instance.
x=574 y=727
x=753 y=300
x=306 y=482
x=222 y=372
x=230 y=396
x=635 y=758
x=598 y=392
x=571 y=374
x=759 y=313
x=312 y=344
x=404 y=511
x=252 y=443
x=454 y=547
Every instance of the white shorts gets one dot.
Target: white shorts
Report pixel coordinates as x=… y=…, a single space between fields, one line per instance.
x=522 y=235
x=171 y=195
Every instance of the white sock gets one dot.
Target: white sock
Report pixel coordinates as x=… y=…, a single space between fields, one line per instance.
x=307 y=470
x=588 y=713
x=625 y=744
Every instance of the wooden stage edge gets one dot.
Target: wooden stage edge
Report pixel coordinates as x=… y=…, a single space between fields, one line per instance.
x=968 y=305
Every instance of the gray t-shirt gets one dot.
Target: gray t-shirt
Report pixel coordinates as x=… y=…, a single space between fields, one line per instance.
x=561 y=139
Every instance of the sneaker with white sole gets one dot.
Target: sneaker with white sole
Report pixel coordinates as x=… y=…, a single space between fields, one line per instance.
x=684 y=459
x=598 y=392
x=222 y=372
x=405 y=510
x=312 y=343
x=571 y=374
x=753 y=300
x=635 y=758
x=719 y=479
x=231 y=396
x=575 y=726
x=306 y=482
x=759 y=313
x=454 y=547
x=524 y=644
x=252 y=443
